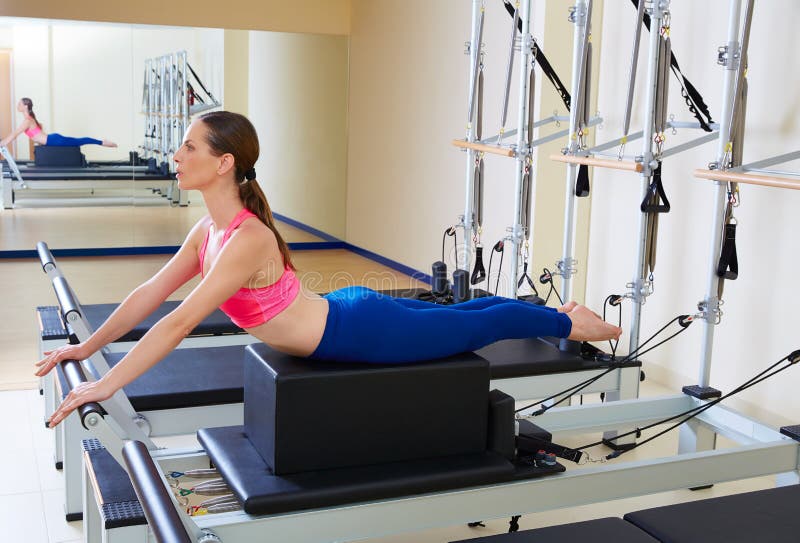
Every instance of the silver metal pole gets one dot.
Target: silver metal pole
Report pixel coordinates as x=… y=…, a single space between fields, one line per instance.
x=463 y=260
x=710 y=305
x=523 y=151
x=567 y=263
x=640 y=286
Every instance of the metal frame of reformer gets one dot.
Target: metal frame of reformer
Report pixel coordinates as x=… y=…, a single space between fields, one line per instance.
x=761 y=451
x=165 y=104
x=643 y=164
x=68 y=435
x=521 y=151
x=624 y=382
x=11 y=187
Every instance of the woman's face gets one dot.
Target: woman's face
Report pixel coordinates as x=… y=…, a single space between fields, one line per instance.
x=195 y=165
x=21 y=107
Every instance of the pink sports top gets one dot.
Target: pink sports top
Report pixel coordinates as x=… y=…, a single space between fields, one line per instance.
x=33 y=130
x=251 y=307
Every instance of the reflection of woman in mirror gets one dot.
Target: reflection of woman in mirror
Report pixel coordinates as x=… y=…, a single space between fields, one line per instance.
x=33 y=129
x=247 y=271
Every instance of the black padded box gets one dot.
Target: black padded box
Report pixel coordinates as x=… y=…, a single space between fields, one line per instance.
x=59 y=157
x=305 y=415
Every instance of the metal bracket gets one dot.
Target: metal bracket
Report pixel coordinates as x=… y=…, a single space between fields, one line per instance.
x=710 y=308
x=729 y=55
x=566 y=267
x=639 y=290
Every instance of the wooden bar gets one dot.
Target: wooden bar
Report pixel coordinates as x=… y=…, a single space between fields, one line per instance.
x=612 y=164
x=483 y=148
x=749 y=178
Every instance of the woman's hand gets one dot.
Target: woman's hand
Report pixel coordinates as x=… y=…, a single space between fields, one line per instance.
x=96 y=391
x=67 y=352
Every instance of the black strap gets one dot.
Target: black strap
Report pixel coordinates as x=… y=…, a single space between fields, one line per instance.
x=655 y=194
x=526 y=278
x=543 y=63
x=478 y=272
x=728 y=267
x=528 y=444
x=582 y=183
x=694 y=100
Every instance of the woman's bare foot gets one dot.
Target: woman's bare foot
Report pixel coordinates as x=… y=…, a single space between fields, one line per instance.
x=587 y=326
x=567 y=307
x=107 y=143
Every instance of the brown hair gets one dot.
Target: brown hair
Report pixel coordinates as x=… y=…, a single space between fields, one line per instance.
x=29 y=104
x=233 y=133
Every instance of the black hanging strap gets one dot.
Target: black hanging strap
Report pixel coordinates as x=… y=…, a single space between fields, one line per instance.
x=582 y=183
x=543 y=63
x=656 y=194
x=728 y=267
x=694 y=100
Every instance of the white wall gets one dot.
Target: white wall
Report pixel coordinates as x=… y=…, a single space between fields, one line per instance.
x=298 y=104
x=85 y=79
x=758 y=325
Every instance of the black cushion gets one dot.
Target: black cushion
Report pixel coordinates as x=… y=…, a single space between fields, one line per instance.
x=57 y=156
x=218 y=323
x=611 y=530
x=186 y=378
x=262 y=493
x=119 y=505
x=361 y=414
x=764 y=516
x=532 y=356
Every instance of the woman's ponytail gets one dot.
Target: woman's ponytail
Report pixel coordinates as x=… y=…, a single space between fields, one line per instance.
x=234 y=134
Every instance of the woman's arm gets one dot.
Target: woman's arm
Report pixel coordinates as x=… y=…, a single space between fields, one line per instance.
x=242 y=256
x=15 y=134
x=138 y=304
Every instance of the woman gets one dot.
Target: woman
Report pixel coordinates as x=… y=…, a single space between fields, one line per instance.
x=33 y=129
x=247 y=271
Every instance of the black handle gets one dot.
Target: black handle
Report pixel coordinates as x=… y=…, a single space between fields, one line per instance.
x=153 y=495
x=45 y=256
x=66 y=298
x=73 y=373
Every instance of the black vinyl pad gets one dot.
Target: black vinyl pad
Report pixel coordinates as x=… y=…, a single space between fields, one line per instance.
x=609 y=529
x=764 y=516
x=263 y=493
x=186 y=378
x=218 y=323
x=533 y=356
x=120 y=506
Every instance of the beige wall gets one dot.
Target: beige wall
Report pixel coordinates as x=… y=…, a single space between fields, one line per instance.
x=237 y=70
x=408 y=100
x=318 y=16
x=297 y=102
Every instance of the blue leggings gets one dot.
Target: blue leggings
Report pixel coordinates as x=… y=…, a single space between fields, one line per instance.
x=366 y=326
x=57 y=140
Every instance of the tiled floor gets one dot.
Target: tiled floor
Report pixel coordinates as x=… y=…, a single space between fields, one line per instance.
x=31 y=509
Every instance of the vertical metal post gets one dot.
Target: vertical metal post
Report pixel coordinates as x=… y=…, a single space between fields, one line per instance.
x=566 y=264
x=711 y=302
x=640 y=286
x=523 y=151
x=463 y=260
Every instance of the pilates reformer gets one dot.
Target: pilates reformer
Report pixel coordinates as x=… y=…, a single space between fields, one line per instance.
x=528 y=369
x=359 y=488
x=22 y=180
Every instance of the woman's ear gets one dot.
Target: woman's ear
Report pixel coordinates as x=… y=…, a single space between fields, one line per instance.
x=226 y=163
